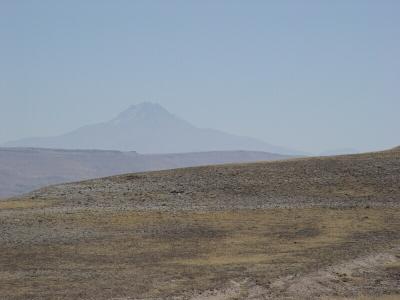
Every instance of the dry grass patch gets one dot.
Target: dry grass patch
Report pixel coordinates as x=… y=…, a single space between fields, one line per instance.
x=24 y=204
x=134 y=252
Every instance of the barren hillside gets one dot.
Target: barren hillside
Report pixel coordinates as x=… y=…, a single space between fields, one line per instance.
x=312 y=228
x=23 y=170
x=353 y=180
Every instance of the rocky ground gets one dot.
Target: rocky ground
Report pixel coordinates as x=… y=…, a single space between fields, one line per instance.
x=23 y=170
x=312 y=228
x=341 y=181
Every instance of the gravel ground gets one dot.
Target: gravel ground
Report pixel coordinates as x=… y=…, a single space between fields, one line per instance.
x=342 y=181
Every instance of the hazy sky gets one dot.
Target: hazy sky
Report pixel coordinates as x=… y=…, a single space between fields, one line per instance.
x=311 y=75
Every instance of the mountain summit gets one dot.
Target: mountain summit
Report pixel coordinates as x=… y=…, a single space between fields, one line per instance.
x=149 y=128
x=148 y=115
x=143 y=111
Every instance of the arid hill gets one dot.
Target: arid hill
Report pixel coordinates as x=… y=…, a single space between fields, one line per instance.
x=341 y=181
x=312 y=228
x=23 y=170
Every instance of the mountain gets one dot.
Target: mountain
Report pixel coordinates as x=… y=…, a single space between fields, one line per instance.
x=149 y=128
x=25 y=169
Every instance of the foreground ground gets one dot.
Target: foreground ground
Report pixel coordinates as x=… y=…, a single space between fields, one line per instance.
x=324 y=228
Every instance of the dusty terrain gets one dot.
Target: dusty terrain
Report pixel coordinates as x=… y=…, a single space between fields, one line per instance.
x=23 y=170
x=312 y=228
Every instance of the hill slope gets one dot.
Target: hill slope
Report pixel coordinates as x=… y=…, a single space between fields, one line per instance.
x=25 y=169
x=314 y=228
x=362 y=179
x=149 y=128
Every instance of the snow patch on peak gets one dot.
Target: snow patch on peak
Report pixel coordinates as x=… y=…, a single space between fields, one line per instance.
x=144 y=110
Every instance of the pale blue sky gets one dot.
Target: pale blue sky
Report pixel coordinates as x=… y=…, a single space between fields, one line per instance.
x=311 y=75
